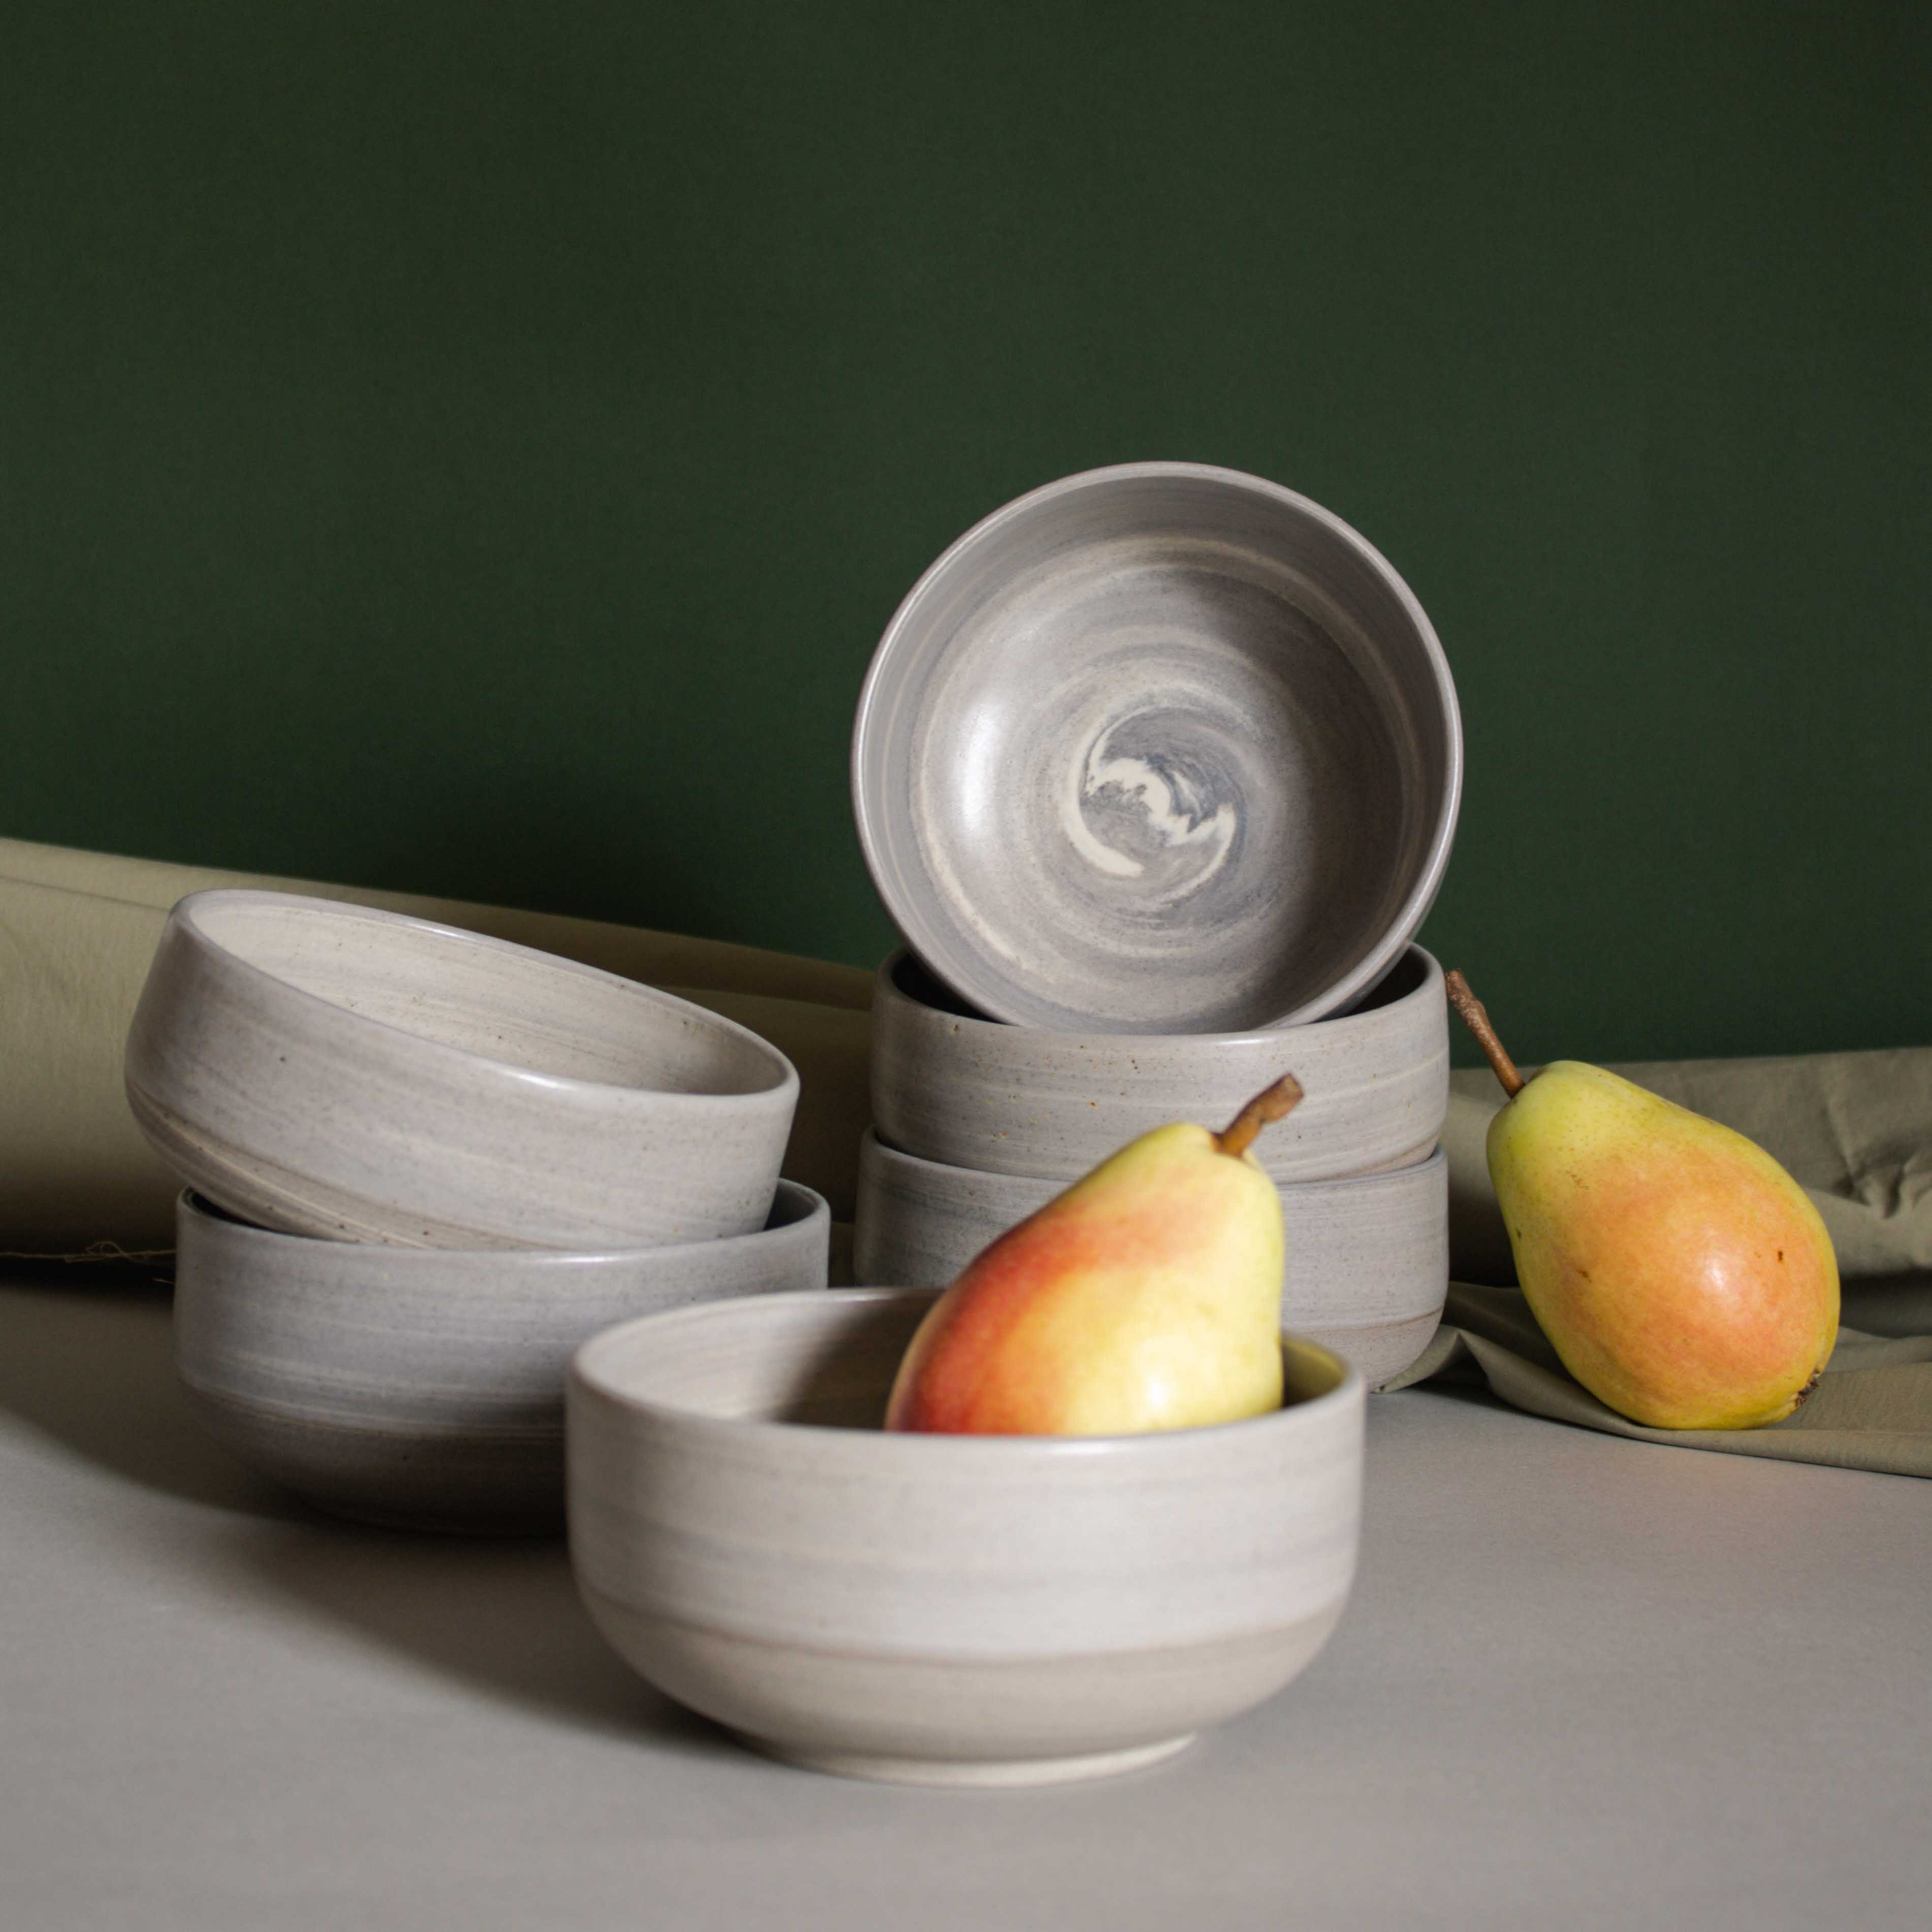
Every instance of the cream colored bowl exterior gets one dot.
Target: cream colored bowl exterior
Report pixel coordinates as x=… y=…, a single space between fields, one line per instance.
x=1366 y=1267
x=970 y=1092
x=447 y=1091
x=424 y=1387
x=942 y=1609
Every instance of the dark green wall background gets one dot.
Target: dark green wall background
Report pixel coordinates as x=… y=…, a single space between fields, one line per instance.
x=475 y=448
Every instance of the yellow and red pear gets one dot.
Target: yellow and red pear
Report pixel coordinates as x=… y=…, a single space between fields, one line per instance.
x=1148 y=1296
x=1683 y=1276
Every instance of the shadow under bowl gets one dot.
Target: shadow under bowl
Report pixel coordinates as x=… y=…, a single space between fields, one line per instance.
x=944 y=1610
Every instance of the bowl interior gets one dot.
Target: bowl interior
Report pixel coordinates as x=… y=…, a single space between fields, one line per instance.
x=1163 y=749
x=826 y=1360
x=506 y=1003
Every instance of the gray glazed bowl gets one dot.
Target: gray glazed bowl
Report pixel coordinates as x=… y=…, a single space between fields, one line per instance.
x=942 y=1609
x=423 y=1388
x=951 y=1086
x=1158 y=748
x=1365 y=1270
x=330 y=1069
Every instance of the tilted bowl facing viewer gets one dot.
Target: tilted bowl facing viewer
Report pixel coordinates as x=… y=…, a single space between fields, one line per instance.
x=331 y=1069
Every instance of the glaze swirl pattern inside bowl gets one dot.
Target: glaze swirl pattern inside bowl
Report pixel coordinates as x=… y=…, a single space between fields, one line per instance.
x=1158 y=748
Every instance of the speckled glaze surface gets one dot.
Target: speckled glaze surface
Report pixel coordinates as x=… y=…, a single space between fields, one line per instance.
x=330 y=1069
x=942 y=1609
x=952 y=1087
x=1158 y=748
x=1365 y=1270
x=424 y=1387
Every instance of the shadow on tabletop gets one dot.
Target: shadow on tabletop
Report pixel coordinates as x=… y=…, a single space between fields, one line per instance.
x=87 y=1358
x=498 y=1615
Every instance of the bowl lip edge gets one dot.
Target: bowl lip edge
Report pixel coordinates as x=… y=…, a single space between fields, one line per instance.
x=184 y=918
x=587 y=1382
x=192 y=1207
x=1375 y=959
x=887 y=993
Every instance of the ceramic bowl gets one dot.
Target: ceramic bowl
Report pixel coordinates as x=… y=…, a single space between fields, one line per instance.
x=330 y=1069
x=1366 y=1274
x=1159 y=749
x=951 y=1086
x=424 y=1387
x=943 y=1609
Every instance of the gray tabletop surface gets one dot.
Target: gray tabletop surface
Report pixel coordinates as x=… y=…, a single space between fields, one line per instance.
x=1583 y=1682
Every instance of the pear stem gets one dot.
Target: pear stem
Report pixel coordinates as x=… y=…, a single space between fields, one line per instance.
x=1271 y=1103
x=1476 y=1018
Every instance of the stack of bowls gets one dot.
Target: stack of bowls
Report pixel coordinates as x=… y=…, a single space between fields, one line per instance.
x=423 y=1166
x=1157 y=769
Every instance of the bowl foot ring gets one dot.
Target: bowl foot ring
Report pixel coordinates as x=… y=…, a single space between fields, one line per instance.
x=987 y=1775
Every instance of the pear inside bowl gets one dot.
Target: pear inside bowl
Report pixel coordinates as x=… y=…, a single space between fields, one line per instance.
x=942 y=1609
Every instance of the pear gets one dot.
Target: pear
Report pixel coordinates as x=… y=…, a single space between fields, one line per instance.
x=1684 y=1277
x=1148 y=1296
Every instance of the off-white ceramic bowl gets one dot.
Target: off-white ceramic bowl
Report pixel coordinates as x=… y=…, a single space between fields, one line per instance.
x=950 y=1085
x=941 y=1609
x=424 y=1387
x=1367 y=1265
x=1158 y=748
x=365 y=1076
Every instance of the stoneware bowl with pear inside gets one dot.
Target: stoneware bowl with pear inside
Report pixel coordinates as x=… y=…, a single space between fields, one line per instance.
x=1158 y=748
x=950 y=1085
x=1365 y=1258
x=942 y=1609
x=333 y=1070
x=423 y=1388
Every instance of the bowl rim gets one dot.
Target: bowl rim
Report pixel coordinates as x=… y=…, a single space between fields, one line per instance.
x=814 y=1210
x=1153 y=1445
x=184 y=917
x=1438 y=1157
x=973 y=984
x=886 y=988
